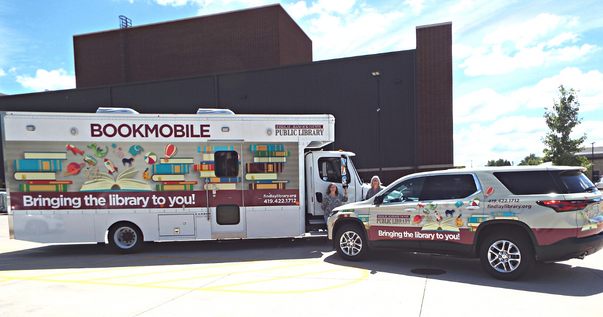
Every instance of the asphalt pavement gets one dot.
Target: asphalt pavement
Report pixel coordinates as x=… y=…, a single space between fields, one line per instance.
x=278 y=277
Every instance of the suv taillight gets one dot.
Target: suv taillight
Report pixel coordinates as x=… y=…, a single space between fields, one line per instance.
x=564 y=205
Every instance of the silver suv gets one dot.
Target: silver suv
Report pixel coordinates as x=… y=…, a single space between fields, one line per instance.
x=509 y=217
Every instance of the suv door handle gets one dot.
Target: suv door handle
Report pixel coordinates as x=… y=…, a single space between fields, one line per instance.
x=410 y=209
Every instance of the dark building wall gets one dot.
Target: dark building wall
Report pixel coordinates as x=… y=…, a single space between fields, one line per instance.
x=239 y=40
x=413 y=91
x=434 y=92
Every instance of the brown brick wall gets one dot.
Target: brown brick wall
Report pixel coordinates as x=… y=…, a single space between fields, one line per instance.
x=234 y=41
x=434 y=94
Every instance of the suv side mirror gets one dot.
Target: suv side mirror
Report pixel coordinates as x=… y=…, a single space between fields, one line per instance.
x=378 y=200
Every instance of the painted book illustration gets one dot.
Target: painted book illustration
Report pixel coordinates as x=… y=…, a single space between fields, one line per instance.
x=445 y=224
x=125 y=182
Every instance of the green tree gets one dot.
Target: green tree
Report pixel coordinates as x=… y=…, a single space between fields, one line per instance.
x=531 y=159
x=499 y=162
x=562 y=118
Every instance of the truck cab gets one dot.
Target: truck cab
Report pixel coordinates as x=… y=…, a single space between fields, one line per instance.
x=323 y=168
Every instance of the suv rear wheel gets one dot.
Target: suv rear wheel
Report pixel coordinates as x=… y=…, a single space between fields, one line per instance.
x=506 y=255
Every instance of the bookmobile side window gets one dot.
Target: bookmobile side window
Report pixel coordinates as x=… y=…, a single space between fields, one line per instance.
x=329 y=169
x=226 y=163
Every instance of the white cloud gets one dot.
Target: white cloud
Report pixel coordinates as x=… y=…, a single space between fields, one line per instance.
x=2 y=73
x=416 y=5
x=510 y=138
x=174 y=3
x=48 y=80
x=481 y=105
x=561 y=38
x=533 y=43
x=462 y=6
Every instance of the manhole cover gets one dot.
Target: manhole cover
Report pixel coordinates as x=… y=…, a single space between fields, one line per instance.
x=428 y=271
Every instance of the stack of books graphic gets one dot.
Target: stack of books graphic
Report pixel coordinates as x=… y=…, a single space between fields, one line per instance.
x=268 y=161
x=170 y=173
x=38 y=170
x=475 y=220
x=207 y=169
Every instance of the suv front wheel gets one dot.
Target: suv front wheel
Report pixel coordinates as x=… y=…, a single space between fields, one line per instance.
x=350 y=242
x=506 y=255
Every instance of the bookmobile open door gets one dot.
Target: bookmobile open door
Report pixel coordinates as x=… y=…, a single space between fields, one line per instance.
x=126 y=178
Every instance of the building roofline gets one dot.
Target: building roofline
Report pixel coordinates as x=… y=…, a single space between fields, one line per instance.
x=432 y=25
x=185 y=19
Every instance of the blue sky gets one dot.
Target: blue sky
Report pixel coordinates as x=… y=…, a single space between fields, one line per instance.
x=509 y=57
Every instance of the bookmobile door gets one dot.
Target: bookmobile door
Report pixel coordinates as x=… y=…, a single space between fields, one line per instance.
x=221 y=173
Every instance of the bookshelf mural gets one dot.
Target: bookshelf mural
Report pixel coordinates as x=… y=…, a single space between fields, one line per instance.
x=55 y=175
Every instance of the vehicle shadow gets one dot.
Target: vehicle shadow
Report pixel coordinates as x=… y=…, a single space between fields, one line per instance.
x=549 y=278
x=162 y=253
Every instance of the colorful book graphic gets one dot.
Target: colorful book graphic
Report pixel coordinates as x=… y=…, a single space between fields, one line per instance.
x=170 y=187
x=179 y=160
x=224 y=179
x=203 y=167
x=264 y=167
x=49 y=182
x=266 y=147
x=281 y=159
x=267 y=186
x=216 y=148
x=277 y=181
x=170 y=168
x=220 y=186
x=45 y=155
x=125 y=181
x=475 y=220
x=42 y=188
x=25 y=176
x=260 y=176
x=180 y=183
x=203 y=174
x=272 y=153
x=505 y=215
x=208 y=157
x=168 y=177
x=38 y=165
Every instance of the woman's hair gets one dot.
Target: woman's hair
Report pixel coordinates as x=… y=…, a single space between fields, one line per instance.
x=377 y=178
x=329 y=189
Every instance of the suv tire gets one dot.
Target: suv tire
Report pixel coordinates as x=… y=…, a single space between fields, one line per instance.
x=350 y=242
x=506 y=255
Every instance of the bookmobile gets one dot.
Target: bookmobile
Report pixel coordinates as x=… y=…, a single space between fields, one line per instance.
x=121 y=177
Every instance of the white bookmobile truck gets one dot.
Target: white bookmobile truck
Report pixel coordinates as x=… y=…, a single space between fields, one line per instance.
x=121 y=177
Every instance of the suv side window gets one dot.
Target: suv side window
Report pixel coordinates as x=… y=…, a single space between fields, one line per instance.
x=529 y=182
x=408 y=190
x=448 y=187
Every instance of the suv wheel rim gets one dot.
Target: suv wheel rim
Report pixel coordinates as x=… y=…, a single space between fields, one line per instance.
x=350 y=243
x=504 y=256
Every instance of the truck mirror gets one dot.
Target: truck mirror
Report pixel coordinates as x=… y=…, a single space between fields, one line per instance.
x=319 y=197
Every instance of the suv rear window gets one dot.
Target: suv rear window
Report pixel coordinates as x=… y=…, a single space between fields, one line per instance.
x=544 y=182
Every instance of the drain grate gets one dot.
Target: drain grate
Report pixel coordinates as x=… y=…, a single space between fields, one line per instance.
x=428 y=271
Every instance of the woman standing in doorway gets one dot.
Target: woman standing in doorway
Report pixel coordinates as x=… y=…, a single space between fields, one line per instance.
x=333 y=199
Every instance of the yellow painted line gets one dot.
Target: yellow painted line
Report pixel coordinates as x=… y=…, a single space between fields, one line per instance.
x=166 y=272
x=219 y=288
x=365 y=274
x=226 y=273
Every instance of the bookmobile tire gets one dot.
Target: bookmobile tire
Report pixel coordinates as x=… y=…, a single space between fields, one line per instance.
x=350 y=242
x=125 y=237
x=506 y=255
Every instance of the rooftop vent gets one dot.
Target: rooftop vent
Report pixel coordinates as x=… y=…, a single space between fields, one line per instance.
x=214 y=111
x=116 y=110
